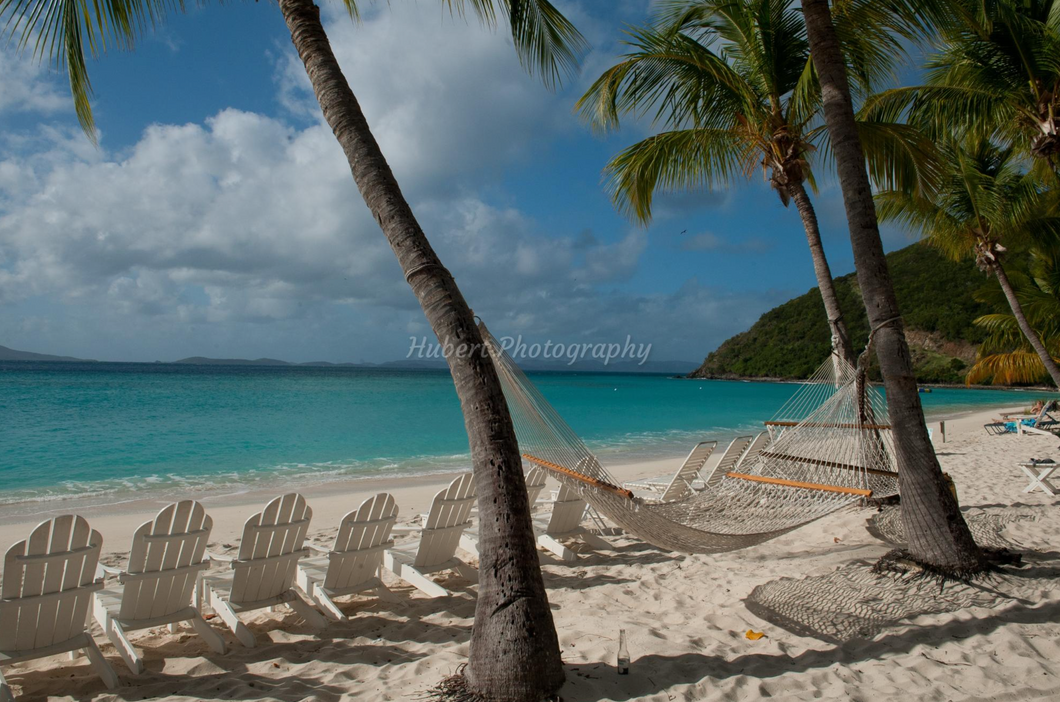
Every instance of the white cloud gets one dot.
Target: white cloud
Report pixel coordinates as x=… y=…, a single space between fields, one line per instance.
x=245 y=235
x=26 y=86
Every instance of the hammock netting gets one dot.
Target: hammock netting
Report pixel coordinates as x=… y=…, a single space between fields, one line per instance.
x=828 y=452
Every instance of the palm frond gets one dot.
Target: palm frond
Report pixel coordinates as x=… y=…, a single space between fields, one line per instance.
x=691 y=159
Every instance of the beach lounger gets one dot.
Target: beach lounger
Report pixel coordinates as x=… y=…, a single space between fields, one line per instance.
x=1039 y=471
x=157 y=585
x=263 y=573
x=536 y=479
x=686 y=475
x=732 y=457
x=1040 y=422
x=47 y=587
x=352 y=565
x=440 y=533
x=564 y=521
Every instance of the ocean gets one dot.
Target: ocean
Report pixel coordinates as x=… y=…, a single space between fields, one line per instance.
x=118 y=430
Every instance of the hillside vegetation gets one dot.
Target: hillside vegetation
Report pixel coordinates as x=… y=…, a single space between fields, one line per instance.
x=936 y=297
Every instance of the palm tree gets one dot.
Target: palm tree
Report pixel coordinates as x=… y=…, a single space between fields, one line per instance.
x=514 y=652
x=984 y=206
x=937 y=534
x=1006 y=356
x=732 y=82
x=996 y=74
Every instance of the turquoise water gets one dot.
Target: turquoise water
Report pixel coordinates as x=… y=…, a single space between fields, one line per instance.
x=109 y=428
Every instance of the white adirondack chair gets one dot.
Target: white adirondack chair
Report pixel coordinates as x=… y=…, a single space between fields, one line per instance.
x=47 y=587
x=536 y=479
x=157 y=585
x=731 y=458
x=264 y=572
x=564 y=521
x=353 y=564
x=439 y=538
x=680 y=484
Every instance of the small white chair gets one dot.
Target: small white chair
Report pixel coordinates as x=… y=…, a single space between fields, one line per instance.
x=680 y=484
x=157 y=585
x=353 y=563
x=263 y=574
x=730 y=459
x=439 y=538
x=47 y=587
x=564 y=521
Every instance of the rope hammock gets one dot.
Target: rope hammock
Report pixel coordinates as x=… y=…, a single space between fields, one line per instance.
x=828 y=452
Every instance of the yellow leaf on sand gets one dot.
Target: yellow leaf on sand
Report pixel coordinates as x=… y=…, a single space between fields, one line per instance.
x=754 y=635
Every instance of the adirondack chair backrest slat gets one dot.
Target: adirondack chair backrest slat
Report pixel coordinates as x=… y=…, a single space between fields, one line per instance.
x=363 y=535
x=536 y=479
x=450 y=514
x=166 y=556
x=47 y=595
x=568 y=510
x=275 y=536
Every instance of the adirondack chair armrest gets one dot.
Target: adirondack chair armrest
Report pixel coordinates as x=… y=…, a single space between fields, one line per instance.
x=102 y=571
x=405 y=529
x=219 y=557
x=318 y=549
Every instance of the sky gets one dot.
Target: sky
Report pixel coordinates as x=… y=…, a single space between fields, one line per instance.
x=217 y=215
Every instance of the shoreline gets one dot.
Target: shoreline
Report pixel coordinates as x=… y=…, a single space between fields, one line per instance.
x=117 y=515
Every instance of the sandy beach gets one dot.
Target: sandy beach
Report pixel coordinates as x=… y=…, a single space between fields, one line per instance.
x=832 y=630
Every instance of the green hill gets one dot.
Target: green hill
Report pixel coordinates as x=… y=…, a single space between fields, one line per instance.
x=936 y=299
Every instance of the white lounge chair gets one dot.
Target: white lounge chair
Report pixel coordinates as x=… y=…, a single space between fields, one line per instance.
x=564 y=521
x=750 y=454
x=47 y=587
x=730 y=459
x=680 y=484
x=157 y=585
x=439 y=538
x=353 y=563
x=263 y=574
x=536 y=479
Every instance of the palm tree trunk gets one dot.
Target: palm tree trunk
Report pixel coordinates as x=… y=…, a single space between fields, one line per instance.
x=936 y=533
x=514 y=652
x=1025 y=326
x=825 y=283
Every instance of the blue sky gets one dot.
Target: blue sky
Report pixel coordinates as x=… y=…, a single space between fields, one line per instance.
x=217 y=216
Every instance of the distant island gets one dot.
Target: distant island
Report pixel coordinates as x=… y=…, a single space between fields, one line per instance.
x=670 y=367
x=937 y=300
x=673 y=367
x=7 y=354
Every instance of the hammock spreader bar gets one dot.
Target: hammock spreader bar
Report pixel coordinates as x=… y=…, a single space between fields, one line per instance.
x=601 y=484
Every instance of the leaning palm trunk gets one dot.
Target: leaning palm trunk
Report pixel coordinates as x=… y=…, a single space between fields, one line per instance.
x=825 y=283
x=1025 y=326
x=936 y=532
x=514 y=654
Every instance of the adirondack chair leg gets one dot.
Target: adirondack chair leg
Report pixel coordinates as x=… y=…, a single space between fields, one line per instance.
x=466 y=572
x=549 y=544
x=173 y=627
x=413 y=577
x=595 y=541
x=229 y=617
x=386 y=594
x=5 y=690
x=124 y=647
x=331 y=610
x=307 y=612
x=100 y=664
x=469 y=544
x=207 y=632
x=74 y=655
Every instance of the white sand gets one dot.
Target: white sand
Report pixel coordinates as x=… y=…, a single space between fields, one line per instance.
x=832 y=629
